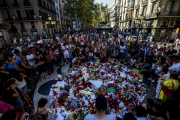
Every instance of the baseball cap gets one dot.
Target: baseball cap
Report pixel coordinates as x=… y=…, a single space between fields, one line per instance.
x=101 y=103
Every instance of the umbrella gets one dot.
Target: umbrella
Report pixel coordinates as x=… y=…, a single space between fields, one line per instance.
x=40 y=42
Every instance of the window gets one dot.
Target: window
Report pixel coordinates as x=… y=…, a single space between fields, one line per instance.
x=32 y=24
x=8 y=15
x=137 y=13
x=22 y=24
x=30 y=14
x=43 y=25
x=18 y=12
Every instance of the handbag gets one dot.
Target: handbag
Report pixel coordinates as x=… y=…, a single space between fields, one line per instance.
x=167 y=91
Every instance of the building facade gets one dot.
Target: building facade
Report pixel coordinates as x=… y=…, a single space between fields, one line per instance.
x=30 y=18
x=159 y=18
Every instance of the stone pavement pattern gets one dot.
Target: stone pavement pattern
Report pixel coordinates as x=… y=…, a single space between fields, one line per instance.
x=38 y=96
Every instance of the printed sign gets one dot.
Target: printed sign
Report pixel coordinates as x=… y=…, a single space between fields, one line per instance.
x=85 y=74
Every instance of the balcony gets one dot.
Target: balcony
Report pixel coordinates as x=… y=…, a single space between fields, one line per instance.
x=4 y=5
x=126 y=10
x=137 y=6
x=154 y=1
x=15 y=19
x=15 y=4
x=129 y=18
x=153 y=15
x=43 y=7
x=125 y=19
x=131 y=7
x=27 y=4
x=168 y=14
x=144 y=3
x=4 y=24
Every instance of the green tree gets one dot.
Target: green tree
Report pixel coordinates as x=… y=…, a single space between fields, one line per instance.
x=99 y=12
x=85 y=10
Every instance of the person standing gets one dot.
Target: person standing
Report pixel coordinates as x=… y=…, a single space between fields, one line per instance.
x=30 y=58
x=170 y=85
x=103 y=49
x=40 y=62
x=65 y=49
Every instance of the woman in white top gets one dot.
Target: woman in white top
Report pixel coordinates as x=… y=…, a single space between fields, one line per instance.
x=22 y=87
x=65 y=49
x=122 y=48
x=133 y=62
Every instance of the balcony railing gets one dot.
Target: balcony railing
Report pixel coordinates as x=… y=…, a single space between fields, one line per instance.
x=129 y=18
x=174 y=13
x=24 y=18
x=4 y=5
x=154 y=0
x=137 y=6
x=144 y=3
x=15 y=4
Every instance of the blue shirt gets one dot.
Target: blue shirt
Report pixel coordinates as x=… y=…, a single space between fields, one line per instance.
x=147 y=50
x=127 y=59
x=121 y=40
x=127 y=37
x=18 y=60
x=91 y=117
x=11 y=66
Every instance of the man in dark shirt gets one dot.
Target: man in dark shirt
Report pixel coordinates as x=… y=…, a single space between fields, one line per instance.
x=40 y=62
x=24 y=52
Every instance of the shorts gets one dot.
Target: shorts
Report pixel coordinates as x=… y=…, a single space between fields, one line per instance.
x=41 y=70
x=90 y=54
x=18 y=102
x=66 y=56
x=24 y=90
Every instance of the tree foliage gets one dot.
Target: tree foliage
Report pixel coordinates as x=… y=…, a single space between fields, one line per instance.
x=86 y=10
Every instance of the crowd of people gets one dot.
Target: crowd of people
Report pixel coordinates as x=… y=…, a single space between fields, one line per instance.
x=21 y=68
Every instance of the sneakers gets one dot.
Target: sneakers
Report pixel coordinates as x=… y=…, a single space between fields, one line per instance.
x=149 y=78
x=29 y=90
x=41 y=79
x=45 y=77
x=152 y=81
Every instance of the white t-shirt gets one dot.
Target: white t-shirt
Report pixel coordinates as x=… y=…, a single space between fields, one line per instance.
x=177 y=66
x=122 y=48
x=70 y=47
x=74 y=59
x=65 y=49
x=30 y=45
x=21 y=84
x=28 y=57
x=29 y=40
x=133 y=61
x=82 y=43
